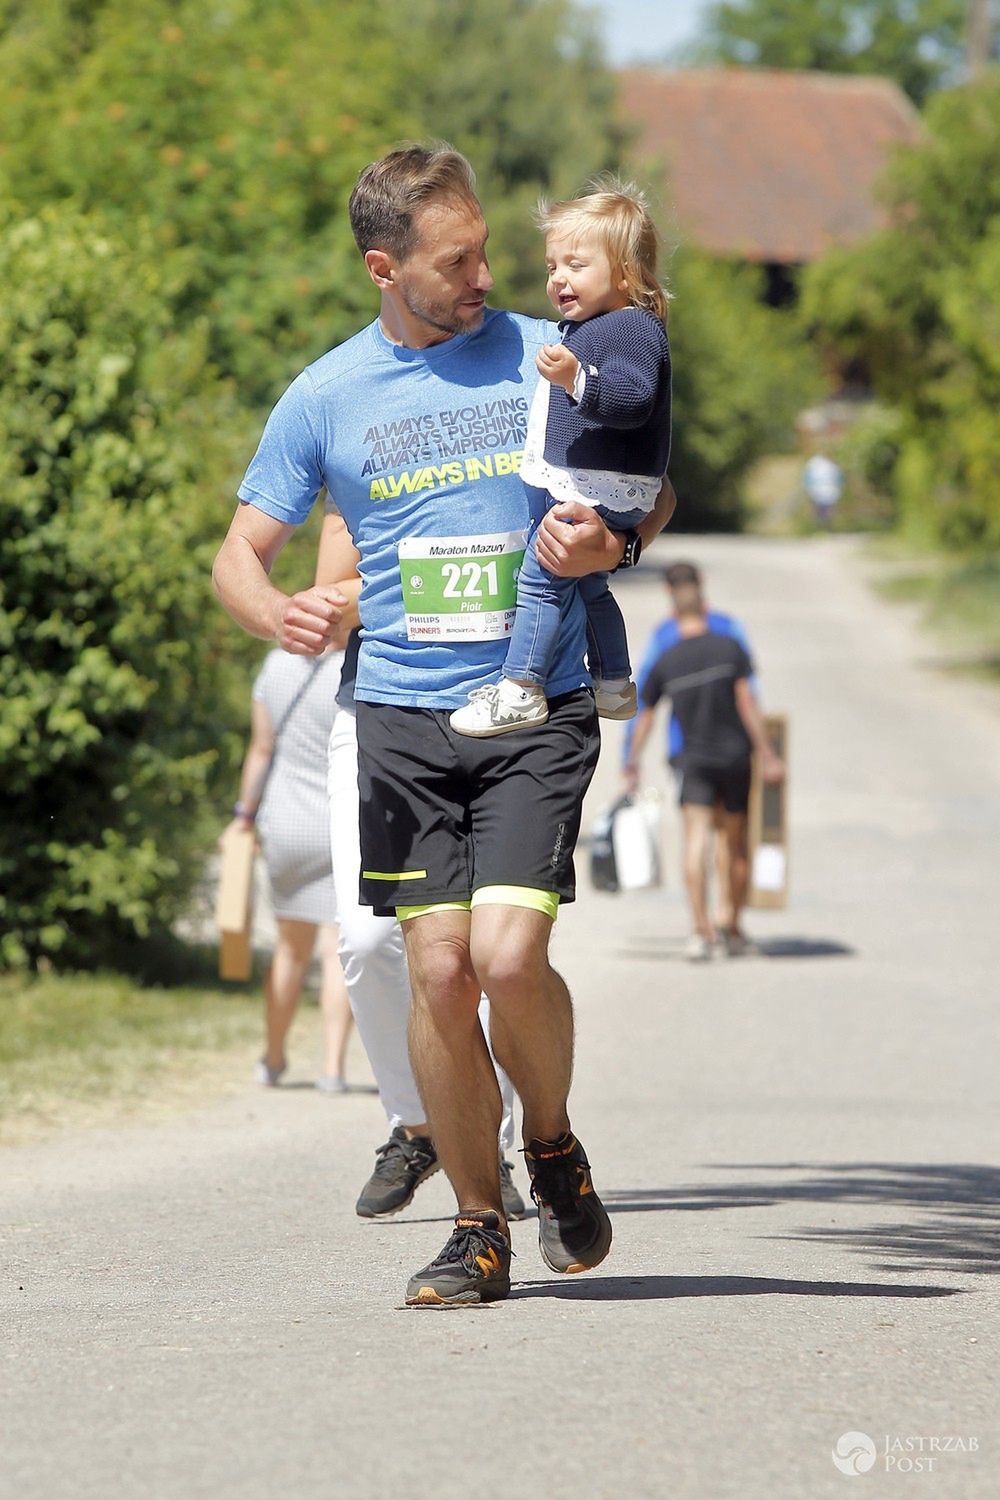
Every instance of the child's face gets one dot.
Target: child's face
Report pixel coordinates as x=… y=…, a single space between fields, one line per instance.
x=580 y=282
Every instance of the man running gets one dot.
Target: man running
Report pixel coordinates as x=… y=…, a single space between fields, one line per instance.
x=415 y=426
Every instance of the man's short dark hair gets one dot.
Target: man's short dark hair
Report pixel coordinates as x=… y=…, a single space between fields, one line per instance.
x=680 y=573
x=390 y=191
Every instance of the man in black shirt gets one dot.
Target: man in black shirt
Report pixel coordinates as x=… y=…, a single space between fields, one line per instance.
x=706 y=676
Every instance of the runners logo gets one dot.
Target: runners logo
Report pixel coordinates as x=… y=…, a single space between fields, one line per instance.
x=586 y=1186
x=854 y=1453
x=489 y=1263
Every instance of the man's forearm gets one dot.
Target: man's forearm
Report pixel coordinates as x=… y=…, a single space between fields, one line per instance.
x=246 y=592
x=641 y=725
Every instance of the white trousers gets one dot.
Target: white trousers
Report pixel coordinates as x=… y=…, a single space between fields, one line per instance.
x=373 y=956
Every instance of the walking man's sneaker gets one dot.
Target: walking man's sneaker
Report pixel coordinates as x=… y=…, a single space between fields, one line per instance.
x=513 y=1204
x=401 y=1165
x=574 y=1231
x=474 y=1266
x=499 y=708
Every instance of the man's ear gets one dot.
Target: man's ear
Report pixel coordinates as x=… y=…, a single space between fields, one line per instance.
x=380 y=267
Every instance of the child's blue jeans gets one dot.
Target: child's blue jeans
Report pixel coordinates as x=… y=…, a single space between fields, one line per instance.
x=542 y=598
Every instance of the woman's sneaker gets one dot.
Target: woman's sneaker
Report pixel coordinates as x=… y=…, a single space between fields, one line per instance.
x=514 y=1205
x=268 y=1076
x=474 y=1266
x=574 y=1231
x=499 y=708
x=401 y=1165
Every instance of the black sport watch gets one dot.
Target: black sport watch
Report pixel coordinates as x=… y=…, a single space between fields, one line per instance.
x=633 y=550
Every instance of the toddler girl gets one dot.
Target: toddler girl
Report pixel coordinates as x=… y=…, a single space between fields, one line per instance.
x=598 y=433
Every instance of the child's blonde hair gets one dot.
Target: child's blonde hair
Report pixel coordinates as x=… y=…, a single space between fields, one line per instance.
x=616 y=214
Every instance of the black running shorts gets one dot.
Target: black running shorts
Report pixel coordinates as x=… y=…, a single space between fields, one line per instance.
x=704 y=786
x=443 y=815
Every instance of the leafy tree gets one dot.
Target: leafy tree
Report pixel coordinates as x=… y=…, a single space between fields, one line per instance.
x=530 y=103
x=919 y=43
x=114 y=439
x=741 y=372
x=237 y=131
x=917 y=303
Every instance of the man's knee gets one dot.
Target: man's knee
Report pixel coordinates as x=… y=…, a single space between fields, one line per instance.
x=442 y=976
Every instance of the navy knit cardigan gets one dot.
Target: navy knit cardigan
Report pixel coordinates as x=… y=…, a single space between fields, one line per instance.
x=623 y=422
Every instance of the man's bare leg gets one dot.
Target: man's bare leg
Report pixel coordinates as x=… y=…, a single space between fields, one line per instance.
x=697 y=832
x=735 y=840
x=531 y=1014
x=724 y=917
x=531 y=1022
x=451 y=1061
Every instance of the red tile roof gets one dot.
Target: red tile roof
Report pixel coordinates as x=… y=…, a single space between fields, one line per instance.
x=767 y=165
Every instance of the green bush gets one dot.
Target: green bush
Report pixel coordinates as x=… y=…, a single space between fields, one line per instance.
x=116 y=442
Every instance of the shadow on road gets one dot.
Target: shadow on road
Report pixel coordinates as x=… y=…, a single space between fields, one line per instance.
x=671 y=949
x=960 y=1203
x=647 y=1288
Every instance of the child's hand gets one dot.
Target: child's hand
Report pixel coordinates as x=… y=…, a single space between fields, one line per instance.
x=558 y=364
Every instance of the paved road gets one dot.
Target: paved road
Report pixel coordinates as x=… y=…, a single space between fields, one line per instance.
x=801 y=1151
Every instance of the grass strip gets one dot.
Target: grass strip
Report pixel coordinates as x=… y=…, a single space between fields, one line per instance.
x=81 y=1048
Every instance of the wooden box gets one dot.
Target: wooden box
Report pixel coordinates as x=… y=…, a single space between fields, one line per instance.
x=768 y=828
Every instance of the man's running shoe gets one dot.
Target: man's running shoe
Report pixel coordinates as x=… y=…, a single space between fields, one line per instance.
x=615 y=703
x=474 y=1266
x=401 y=1165
x=574 y=1231
x=513 y=1204
x=499 y=708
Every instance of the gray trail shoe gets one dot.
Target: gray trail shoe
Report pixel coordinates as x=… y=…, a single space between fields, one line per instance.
x=401 y=1165
x=574 y=1231
x=474 y=1266
x=514 y=1205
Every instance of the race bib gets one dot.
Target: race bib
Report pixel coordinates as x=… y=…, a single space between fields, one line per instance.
x=460 y=588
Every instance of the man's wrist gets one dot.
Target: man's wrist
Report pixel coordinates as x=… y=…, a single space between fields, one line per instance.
x=247 y=814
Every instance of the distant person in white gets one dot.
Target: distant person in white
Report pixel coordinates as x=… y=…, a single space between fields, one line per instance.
x=823 y=481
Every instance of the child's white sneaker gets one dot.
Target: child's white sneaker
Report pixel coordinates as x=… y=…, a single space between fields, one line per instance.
x=615 y=702
x=499 y=708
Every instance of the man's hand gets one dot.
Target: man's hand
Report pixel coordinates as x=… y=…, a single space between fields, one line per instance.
x=581 y=547
x=307 y=622
x=772 y=768
x=558 y=364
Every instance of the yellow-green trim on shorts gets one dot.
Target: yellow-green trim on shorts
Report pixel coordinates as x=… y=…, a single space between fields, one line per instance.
x=394 y=875
x=407 y=913
x=547 y=902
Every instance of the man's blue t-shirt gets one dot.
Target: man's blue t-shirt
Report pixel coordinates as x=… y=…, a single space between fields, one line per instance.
x=667 y=634
x=420 y=450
